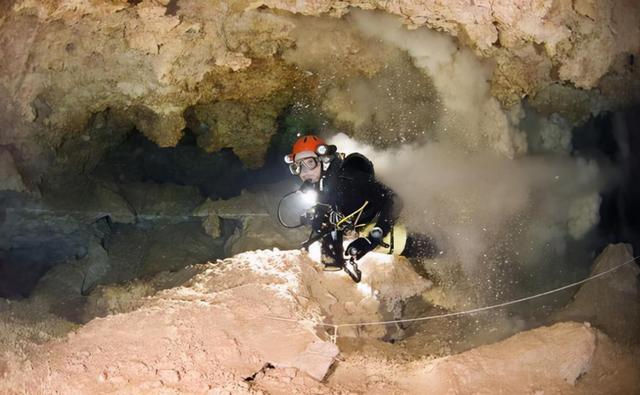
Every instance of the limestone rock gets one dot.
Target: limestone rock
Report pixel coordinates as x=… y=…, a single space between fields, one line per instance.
x=34 y=236
x=525 y=34
x=25 y=322
x=136 y=251
x=167 y=203
x=80 y=276
x=529 y=361
x=120 y=298
x=66 y=62
x=10 y=179
x=576 y=105
x=109 y=203
x=231 y=324
x=262 y=231
x=227 y=125
x=612 y=302
x=61 y=291
x=141 y=62
x=96 y=266
x=316 y=359
x=162 y=126
x=211 y=222
x=256 y=217
x=87 y=201
x=258 y=310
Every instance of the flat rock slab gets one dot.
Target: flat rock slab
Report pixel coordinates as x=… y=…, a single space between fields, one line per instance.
x=316 y=359
x=543 y=358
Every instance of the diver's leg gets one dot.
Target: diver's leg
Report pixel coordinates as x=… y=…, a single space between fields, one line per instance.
x=332 y=250
x=419 y=246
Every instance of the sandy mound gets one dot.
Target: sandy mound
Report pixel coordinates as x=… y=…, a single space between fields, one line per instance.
x=250 y=324
x=221 y=328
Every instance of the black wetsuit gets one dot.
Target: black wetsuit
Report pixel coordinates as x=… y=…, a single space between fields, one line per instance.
x=346 y=186
x=350 y=183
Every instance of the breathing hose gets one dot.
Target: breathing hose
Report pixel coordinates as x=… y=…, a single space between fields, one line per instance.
x=280 y=217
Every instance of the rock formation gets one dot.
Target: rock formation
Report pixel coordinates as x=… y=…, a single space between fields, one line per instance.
x=139 y=141
x=612 y=302
x=254 y=322
x=72 y=68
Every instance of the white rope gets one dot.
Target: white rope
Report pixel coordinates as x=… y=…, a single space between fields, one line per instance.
x=333 y=337
x=335 y=327
x=495 y=306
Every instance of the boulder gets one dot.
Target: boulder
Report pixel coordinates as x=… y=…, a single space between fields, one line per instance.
x=85 y=201
x=536 y=360
x=79 y=276
x=215 y=331
x=316 y=359
x=611 y=302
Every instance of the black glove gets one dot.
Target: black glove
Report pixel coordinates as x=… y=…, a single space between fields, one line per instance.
x=361 y=246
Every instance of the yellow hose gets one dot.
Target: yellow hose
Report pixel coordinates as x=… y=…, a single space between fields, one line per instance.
x=352 y=214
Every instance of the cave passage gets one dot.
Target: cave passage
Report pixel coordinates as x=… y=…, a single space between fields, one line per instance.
x=132 y=214
x=178 y=159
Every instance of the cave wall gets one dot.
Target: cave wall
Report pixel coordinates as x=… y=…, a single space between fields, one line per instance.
x=147 y=62
x=70 y=61
x=79 y=76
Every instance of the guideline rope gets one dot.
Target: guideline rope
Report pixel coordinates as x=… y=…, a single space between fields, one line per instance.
x=335 y=327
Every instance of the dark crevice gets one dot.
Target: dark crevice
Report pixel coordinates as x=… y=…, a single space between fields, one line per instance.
x=118 y=160
x=613 y=138
x=172 y=7
x=218 y=175
x=261 y=372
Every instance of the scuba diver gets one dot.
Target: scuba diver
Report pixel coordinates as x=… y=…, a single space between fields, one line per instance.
x=350 y=202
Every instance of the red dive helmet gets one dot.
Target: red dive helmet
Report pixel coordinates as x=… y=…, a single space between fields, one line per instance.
x=308 y=146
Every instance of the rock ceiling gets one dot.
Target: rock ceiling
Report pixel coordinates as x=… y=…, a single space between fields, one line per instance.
x=226 y=68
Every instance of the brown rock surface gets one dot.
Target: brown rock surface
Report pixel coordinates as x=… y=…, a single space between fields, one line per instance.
x=10 y=178
x=67 y=61
x=211 y=334
x=611 y=302
x=228 y=124
x=220 y=328
x=553 y=356
x=528 y=39
x=567 y=358
x=256 y=216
